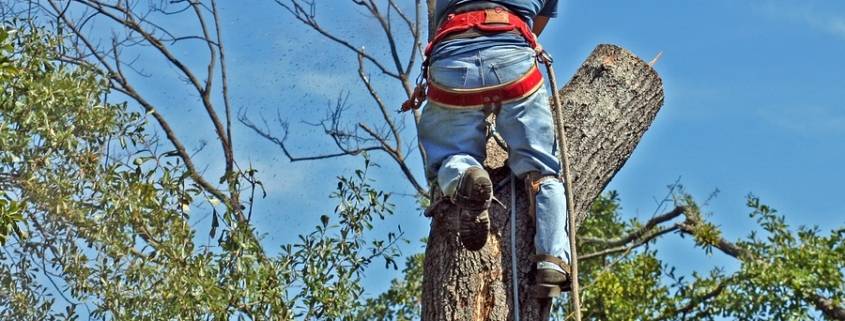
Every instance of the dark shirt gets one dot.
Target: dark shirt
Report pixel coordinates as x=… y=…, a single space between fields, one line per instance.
x=527 y=9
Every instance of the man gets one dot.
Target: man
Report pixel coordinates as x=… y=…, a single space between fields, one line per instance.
x=483 y=60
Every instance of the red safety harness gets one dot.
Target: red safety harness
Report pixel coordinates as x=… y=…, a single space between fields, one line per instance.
x=494 y=20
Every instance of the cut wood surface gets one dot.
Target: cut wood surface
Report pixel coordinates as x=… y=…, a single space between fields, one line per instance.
x=608 y=105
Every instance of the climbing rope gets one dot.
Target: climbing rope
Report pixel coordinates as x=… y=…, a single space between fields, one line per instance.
x=546 y=59
x=514 y=270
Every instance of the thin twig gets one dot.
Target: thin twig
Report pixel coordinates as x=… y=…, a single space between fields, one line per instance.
x=308 y=19
x=400 y=160
x=120 y=83
x=385 y=113
x=281 y=143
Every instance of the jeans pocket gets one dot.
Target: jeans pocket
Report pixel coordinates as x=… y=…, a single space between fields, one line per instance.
x=449 y=73
x=513 y=65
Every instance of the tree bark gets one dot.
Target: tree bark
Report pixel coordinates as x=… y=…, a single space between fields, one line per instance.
x=608 y=106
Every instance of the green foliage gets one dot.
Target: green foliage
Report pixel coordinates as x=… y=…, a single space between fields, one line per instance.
x=94 y=218
x=10 y=215
x=779 y=275
x=327 y=265
x=401 y=302
x=108 y=216
x=52 y=128
x=605 y=220
x=786 y=269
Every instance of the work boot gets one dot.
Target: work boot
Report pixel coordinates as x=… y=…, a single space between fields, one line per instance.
x=549 y=280
x=473 y=197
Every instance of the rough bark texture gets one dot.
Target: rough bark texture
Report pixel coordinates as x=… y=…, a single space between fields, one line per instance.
x=609 y=104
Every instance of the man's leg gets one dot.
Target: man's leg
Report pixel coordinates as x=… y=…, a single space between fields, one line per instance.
x=454 y=140
x=527 y=127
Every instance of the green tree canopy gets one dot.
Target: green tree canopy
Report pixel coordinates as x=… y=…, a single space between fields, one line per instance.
x=100 y=215
x=95 y=215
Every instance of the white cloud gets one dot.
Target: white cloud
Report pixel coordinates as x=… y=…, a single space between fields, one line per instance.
x=806 y=13
x=808 y=120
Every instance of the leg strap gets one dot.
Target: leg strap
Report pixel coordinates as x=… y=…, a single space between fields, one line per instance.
x=533 y=180
x=552 y=259
x=549 y=283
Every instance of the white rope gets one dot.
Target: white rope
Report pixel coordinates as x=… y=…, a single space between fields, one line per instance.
x=514 y=271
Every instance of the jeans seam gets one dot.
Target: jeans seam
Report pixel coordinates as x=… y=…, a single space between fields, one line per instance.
x=495 y=68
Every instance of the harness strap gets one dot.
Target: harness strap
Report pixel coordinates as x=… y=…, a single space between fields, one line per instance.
x=486 y=96
x=494 y=20
x=467 y=6
x=533 y=179
x=552 y=259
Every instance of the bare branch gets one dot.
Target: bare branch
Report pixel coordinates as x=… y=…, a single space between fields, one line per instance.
x=281 y=143
x=224 y=134
x=416 y=47
x=308 y=18
x=122 y=14
x=641 y=240
x=639 y=232
x=212 y=55
x=388 y=32
x=129 y=22
x=224 y=76
x=115 y=75
x=695 y=302
x=305 y=12
x=382 y=107
x=408 y=22
x=399 y=158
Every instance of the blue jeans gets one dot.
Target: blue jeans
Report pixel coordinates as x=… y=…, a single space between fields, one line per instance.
x=454 y=139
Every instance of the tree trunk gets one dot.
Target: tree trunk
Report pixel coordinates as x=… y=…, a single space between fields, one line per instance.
x=608 y=106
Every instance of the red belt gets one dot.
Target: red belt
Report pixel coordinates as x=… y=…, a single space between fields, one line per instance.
x=493 y=95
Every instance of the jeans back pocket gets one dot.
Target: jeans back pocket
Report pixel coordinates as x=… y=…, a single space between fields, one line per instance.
x=512 y=64
x=450 y=73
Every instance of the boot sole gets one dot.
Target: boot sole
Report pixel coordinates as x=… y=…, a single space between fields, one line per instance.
x=551 y=278
x=546 y=291
x=475 y=225
x=474 y=230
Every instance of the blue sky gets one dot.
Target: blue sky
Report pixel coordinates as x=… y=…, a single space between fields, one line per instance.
x=755 y=103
